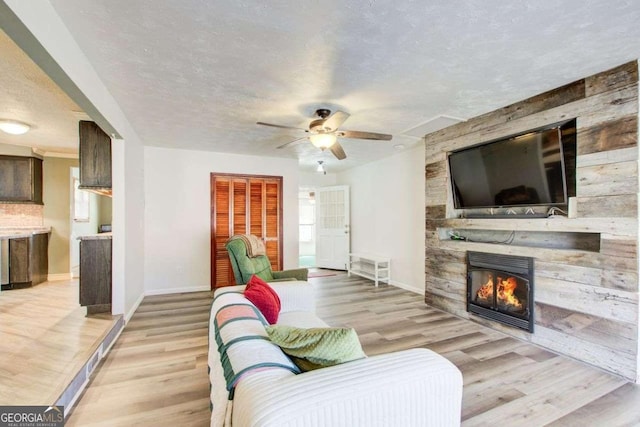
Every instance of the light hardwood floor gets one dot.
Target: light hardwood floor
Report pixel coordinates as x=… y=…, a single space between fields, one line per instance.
x=156 y=375
x=45 y=339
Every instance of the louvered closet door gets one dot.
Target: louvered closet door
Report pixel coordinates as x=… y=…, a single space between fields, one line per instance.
x=271 y=230
x=244 y=205
x=221 y=230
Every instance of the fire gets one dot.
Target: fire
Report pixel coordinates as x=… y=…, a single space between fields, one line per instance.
x=486 y=291
x=506 y=294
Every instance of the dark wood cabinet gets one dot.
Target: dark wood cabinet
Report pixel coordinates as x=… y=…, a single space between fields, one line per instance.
x=39 y=258
x=95 y=158
x=28 y=260
x=20 y=179
x=19 y=261
x=95 y=275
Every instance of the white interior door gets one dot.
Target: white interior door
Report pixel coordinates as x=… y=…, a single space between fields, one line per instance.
x=332 y=227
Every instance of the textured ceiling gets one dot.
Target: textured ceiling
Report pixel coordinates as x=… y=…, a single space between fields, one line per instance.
x=28 y=95
x=198 y=74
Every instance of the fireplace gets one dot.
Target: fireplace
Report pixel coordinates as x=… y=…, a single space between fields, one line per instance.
x=500 y=288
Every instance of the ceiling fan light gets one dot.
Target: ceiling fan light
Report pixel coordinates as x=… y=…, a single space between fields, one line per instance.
x=13 y=127
x=323 y=140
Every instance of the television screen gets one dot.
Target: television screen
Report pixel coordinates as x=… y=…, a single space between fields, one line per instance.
x=522 y=170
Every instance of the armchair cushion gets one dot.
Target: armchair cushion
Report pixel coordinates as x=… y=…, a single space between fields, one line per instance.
x=245 y=266
x=294 y=274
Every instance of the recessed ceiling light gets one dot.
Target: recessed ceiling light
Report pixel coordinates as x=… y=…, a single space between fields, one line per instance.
x=14 y=127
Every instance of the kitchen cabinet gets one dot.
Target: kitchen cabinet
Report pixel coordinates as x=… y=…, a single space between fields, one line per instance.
x=95 y=274
x=39 y=258
x=95 y=159
x=19 y=261
x=28 y=260
x=20 y=179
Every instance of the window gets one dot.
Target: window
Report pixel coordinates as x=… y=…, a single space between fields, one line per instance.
x=80 y=203
x=307 y=214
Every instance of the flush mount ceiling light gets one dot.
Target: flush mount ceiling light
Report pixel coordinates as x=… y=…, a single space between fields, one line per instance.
x=14 y=127
x=323 y=140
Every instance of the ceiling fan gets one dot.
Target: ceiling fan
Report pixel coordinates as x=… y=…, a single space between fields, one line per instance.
x=323 y=132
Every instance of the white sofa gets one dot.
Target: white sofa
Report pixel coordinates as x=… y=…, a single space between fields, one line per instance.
x=414 y=387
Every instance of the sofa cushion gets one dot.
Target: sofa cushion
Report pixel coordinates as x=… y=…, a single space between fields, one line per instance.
x=315 y=348
x=300 y=319
x=264 y=297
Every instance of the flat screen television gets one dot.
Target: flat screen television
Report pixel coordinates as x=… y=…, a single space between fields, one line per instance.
x=529 y=169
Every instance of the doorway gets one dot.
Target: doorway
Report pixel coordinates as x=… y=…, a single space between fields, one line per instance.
x=89 y=212
x=307 y=227
x=333 y=227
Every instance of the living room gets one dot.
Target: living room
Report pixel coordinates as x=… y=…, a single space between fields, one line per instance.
x=161 y=212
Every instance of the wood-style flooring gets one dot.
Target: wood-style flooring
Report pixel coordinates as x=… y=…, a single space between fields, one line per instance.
x=45 y=339
x=156 y=374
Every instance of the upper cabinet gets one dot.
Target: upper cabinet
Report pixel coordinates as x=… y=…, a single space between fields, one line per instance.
x=20 y=179
x=95 y=159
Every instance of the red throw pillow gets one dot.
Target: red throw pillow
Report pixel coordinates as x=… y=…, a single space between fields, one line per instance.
x=264 y=297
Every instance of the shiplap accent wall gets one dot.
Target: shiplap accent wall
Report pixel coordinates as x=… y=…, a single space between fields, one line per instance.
x=586 y=296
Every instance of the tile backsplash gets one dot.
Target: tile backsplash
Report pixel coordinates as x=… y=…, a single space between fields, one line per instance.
x=19 y=215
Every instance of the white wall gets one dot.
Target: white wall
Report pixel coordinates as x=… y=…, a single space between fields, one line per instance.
x=315 y=179
x=128 y=174
x=387 y=213
x=178 y=218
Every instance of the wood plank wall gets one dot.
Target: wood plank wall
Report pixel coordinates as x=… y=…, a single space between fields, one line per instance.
x=586 y=301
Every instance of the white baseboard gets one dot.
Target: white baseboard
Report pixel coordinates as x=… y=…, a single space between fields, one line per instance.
x=134 y=308
x=176 y=290
x=407 y=287
x=59 y=276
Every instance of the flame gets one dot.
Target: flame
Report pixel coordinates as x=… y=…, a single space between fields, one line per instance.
x=486 y=291
x=506 y=294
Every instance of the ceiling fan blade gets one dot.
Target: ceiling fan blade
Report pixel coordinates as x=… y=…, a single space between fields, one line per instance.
x=291 y=142
x=337 y=151
x=335 y=120
x=280 y=126
x=365 y=135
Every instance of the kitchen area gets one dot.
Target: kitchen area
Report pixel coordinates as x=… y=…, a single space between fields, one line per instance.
x=55 y=266
x=23 y=237
x=55 y=238
x=69 y=235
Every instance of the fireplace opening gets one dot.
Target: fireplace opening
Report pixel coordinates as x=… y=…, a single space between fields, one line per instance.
x=500 y=288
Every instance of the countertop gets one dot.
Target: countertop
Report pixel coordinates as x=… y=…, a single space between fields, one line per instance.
x=95 y=236
x=18 y=232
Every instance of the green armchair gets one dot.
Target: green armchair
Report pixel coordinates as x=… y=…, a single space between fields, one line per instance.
x=244 y=266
